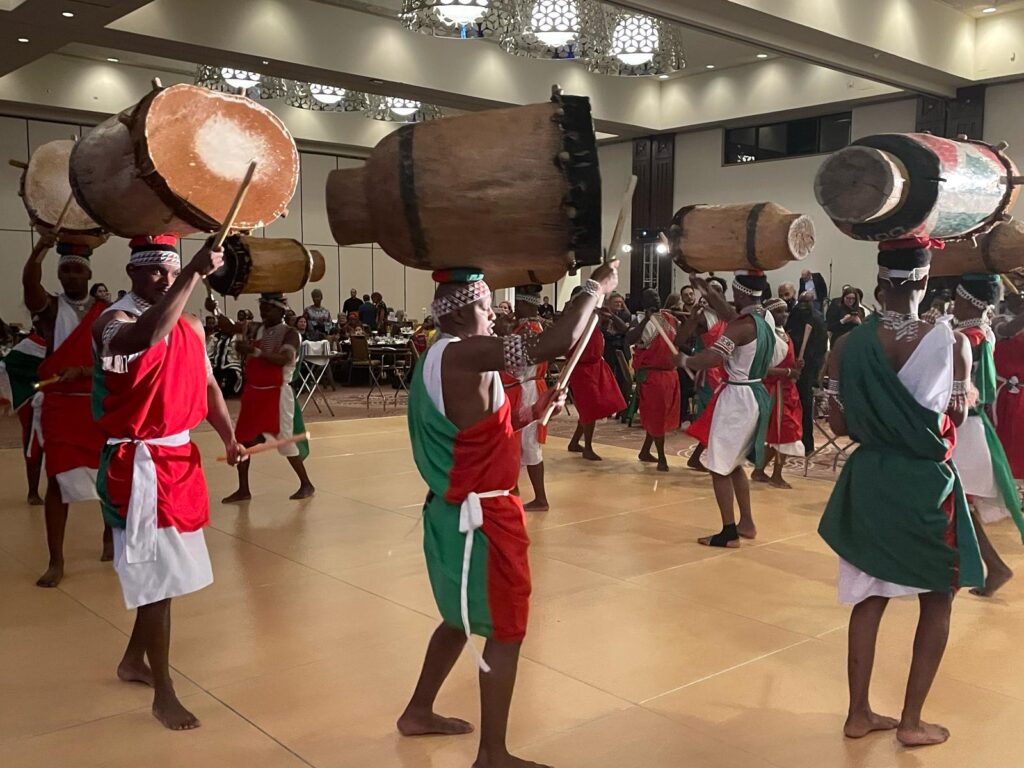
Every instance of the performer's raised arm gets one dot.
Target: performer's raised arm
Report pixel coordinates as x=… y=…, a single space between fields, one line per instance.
x=35 y=295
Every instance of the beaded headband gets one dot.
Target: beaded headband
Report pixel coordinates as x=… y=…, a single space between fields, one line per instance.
x=155 y=250
x=771 y=304
x=963 y=293
x=899 y=276
x=738 y=286
x=73 y=253
x=470 y=293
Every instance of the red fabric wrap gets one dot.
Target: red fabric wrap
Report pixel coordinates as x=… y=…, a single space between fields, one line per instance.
x=1009 y=406
x=659 y=391
x=487 y=459
x=261 y=400
x=791 y=429
x=162 y=394
x=974 y=334
x=595 y=392
x=76 y=351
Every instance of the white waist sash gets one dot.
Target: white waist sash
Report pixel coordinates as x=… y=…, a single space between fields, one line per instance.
x=471 y=517
x=140 y=522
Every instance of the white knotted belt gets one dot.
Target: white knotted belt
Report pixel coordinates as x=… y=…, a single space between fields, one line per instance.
x=471 y=517
x=36 y=430
x=140 y=522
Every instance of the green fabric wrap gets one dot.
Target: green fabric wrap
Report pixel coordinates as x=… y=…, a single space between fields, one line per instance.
x=885 y=515
x=984 y=374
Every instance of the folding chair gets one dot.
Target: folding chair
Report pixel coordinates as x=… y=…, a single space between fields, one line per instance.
x=361 y=360
x=633 y=394
x=819 y=420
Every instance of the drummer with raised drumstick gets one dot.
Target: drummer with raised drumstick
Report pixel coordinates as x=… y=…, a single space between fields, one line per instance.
x=465 y=445
x=72 y=443
x=154 y=385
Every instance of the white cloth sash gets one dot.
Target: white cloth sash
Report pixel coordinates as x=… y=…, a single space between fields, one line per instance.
x=471 y=517
x=140 y=522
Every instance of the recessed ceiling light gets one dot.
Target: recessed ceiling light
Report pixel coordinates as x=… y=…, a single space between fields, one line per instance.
x=265 y=61
x=22 y=39
x=762 y=55
x=990 y=9
x=377 y=82
x=112 y=60
x=663 y=77
x=709 y=66
x=68 y=15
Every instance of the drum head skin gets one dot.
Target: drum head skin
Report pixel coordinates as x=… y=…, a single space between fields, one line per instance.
x=200 y=143
x=46 y=189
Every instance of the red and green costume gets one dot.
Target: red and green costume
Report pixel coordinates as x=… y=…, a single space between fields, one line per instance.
x=474 y=531
x=19 y=371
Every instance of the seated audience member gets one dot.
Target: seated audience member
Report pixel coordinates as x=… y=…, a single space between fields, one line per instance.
x=845 y=314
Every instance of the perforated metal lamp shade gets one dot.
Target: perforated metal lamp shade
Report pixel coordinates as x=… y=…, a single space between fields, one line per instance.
x=233 y=80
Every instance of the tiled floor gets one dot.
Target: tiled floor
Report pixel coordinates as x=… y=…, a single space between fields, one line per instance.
x=645 y=649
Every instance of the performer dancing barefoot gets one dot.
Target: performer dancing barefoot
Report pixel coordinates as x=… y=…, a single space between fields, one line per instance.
x=595 y=393
x=465 y=447
x=71 y=441
x=979 y=456
x=154 y=384
x=270 y=408
x=525 y=391
x=740 y=410
x=657 y=380
x=898 y=517
x=785 y=428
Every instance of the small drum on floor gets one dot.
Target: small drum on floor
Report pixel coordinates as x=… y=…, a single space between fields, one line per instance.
x=718 y=238
x=45 y=191
x=263 y=265
x=899 y=185
x=513 y=192
x=174 y=162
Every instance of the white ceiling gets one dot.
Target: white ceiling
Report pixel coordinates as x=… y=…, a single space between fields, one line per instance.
x=974 y=8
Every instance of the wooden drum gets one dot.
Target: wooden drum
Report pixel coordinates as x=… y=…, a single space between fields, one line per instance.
x=897 y=185
x=713 y=238
x=513 y=192
x=999 y=252
x=174 y=162
x=45 y=190
x=262 y=265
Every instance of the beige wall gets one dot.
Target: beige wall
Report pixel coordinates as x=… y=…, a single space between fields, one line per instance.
x=365 y=268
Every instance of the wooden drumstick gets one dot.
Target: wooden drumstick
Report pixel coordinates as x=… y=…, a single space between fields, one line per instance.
x=269 y=445
x=18 y=164
x=656 y=322
x=46 y=382
x=1009 y=285
x=229 y=220
x=803 y=343
x=613 y=253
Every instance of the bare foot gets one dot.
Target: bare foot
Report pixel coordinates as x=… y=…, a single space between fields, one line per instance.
x=759 y=476
x=747 y=531
x=662 y=465
x=431 y=724
x=236 y=497
x=861 y=724
x=778 y=482
x=993 y=581
x=505 y=761
x=52 y=577
x=34 y=500
x=575 y=448
x=645 y=456
x=169 y=711
x=537 y=505
x=589 y=455
x=305 y=491
x=925 y=734
x=135 y=672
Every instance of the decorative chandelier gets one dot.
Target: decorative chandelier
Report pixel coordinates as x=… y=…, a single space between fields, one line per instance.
x=460 y=19
x=545 y=29
x=233 y=80
x=395 y=109
x=326 y=98
x=617 y=42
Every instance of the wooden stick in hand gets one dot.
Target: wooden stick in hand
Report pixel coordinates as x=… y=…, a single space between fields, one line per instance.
x=229 y=220
x=269 y=445
x=803 y=344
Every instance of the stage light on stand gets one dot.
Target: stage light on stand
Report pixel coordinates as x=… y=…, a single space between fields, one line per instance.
x=661 y=249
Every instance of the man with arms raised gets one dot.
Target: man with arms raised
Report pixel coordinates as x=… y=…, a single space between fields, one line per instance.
x=153 y=384
x=464 y=441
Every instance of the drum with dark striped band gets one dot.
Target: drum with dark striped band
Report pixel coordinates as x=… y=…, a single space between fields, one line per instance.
x=515 y=193
x=265 y=265
x=900 y=185
x=709 y=238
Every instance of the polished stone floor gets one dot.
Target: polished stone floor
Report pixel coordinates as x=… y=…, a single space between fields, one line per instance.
x=645 y=649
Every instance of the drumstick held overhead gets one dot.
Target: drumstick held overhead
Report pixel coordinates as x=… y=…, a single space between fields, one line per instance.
x=229 y=220
x=611 y=255
x=269 y=445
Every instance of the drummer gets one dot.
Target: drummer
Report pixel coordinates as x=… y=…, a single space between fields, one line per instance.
x=72 y=442
x=270 y=409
